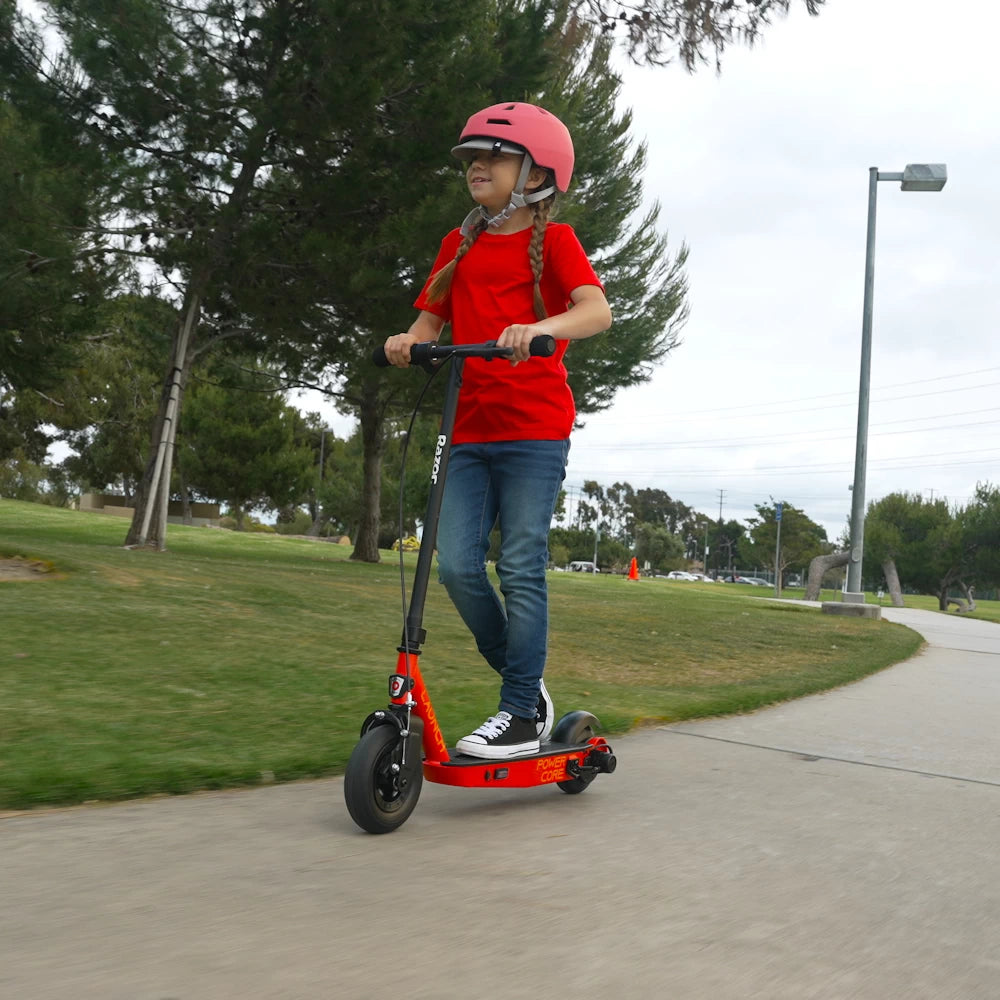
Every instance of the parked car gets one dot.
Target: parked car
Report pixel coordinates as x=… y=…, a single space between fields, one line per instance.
x=679 y=574
x=754 y=581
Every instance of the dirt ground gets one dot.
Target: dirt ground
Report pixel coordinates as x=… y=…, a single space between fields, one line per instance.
x=19 y=568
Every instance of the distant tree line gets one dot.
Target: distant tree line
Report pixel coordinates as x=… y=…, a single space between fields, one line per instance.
x=932 y=547
x=619 y=522
x=912 y=544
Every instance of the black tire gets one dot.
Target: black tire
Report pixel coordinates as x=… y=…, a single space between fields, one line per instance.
x=576 y=785
x=577 y=727
x=379 y=799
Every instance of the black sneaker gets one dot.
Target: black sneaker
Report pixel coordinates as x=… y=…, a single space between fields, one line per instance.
x=544 y=714
x=503 y=735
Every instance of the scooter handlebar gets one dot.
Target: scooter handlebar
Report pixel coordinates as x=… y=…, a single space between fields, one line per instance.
x=431 y=352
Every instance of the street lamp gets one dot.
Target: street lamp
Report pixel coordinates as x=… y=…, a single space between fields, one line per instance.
x=914 y=177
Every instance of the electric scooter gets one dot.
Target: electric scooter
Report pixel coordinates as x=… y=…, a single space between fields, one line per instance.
x=402 y=744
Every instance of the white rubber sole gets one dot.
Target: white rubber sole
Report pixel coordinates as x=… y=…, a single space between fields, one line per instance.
x=471 y=749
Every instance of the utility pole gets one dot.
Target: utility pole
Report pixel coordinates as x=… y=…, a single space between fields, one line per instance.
x=722 y=494
x=777 y=551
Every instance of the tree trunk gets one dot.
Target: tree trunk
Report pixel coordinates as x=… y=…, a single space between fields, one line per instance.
x=892 y=581
x=944 y=586
x=817 y=570
x=370 y=419
x=186 y=502
x=149 y=522
x=142 y=489
x=962 y=606
x=779 y=576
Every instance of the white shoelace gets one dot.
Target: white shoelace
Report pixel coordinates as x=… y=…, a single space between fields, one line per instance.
x=495 y=726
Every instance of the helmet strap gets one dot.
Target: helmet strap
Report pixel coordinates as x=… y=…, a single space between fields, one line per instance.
x=518 y=199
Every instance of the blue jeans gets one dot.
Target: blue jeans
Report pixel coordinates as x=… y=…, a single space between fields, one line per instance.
x=517 y=483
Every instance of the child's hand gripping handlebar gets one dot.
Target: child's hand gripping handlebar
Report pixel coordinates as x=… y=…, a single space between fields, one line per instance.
x=431 y=353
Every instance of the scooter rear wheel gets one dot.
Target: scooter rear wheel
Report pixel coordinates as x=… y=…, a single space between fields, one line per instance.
x=576 y=727
x=379 y=797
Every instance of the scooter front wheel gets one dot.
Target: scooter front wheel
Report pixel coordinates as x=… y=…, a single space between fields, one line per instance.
x=380 y=791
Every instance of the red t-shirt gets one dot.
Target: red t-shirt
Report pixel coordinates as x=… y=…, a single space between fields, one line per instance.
x=492 y=287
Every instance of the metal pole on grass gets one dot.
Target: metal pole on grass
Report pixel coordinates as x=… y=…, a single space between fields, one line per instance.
x=914 y=177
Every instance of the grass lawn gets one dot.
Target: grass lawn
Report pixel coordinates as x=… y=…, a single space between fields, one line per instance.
x=236 y=658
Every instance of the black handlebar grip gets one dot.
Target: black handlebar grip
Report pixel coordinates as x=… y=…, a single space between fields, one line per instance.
x=419 y=353
x=543 y=346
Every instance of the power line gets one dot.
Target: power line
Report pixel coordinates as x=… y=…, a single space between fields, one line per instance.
x=808 y=435
x=850 y=401
x=819 y=468
x=853 y=393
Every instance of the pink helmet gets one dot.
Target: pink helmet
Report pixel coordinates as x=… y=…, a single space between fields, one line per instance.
x=519 y=128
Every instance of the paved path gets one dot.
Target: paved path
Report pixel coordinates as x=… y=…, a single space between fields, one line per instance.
x=841 y=846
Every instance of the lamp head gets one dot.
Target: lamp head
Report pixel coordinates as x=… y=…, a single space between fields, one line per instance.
x=924 y=177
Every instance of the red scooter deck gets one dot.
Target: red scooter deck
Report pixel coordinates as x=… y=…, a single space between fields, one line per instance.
x=551 y=764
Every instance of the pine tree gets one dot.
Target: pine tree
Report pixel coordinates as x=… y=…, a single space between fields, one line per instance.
x=214 y=120
x=656 y=32
x=51 y=280
x=237 y=444
x=277 y=169
x=645 y=285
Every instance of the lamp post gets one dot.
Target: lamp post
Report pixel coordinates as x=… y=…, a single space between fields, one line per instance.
x=914 y=177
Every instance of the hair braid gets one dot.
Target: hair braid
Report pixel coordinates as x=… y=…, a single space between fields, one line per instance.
x=540 y=211
x=441 y=281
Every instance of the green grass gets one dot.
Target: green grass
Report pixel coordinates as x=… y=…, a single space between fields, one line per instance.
x=233 y=657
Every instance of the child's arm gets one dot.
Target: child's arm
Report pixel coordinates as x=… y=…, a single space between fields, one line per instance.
x=425 y=327
x=589 y=314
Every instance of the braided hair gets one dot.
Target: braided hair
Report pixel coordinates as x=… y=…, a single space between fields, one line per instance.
x=540 y=211
x=440 y=283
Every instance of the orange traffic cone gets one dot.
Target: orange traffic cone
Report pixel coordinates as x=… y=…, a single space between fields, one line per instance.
x=633 y=570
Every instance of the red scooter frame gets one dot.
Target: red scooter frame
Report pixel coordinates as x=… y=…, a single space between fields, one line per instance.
x=403 y=743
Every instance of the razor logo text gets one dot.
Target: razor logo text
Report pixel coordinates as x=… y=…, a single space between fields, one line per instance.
x=441 y=442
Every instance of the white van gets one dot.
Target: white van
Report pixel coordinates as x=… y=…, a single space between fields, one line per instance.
x=583 y=567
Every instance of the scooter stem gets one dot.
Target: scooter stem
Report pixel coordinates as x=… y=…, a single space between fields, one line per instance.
x=415 y=634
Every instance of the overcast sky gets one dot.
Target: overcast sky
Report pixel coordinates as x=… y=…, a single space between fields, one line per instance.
x=763 y=173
